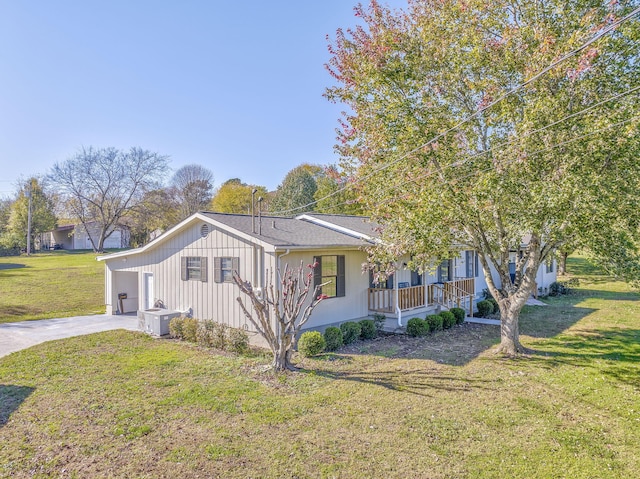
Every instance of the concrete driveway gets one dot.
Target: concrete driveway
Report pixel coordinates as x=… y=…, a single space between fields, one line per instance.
x=24 y=334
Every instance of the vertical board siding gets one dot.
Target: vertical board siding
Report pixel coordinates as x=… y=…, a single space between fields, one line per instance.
x=208 y=300
x=351 y=306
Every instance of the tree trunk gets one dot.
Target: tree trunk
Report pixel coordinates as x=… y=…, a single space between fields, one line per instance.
x=562 y=264
x=282 y=353
x=282 y=360
x=509 y=328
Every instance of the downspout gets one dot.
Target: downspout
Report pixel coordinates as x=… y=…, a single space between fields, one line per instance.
x=283 y=254
x=278 y=285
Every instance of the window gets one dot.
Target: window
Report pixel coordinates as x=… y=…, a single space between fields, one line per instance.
x=445 y=271
x=330 y=268
x=385 y=284
x=193 y=268
x=416 y=278
x=471 y=262
x=549 y=266
x=224 y=267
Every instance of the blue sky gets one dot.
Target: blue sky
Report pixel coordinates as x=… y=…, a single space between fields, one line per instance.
x=234 y=86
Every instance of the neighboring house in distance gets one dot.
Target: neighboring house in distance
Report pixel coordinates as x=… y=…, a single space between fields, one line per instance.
x=76 y=237
x=190 y=266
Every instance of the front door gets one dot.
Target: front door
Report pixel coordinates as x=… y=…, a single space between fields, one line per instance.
x=148 y=291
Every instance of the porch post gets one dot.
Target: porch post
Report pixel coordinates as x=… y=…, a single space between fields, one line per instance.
x=397 y=297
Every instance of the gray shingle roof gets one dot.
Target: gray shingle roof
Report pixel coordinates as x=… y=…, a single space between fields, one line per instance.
x=360 y=224
x=292 y=232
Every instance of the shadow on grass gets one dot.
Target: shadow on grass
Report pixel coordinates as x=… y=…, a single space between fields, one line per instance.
x=4 y=266
x=11 y=313
x=10 y=399
x=613 y=352
x=553 y=319
x=419 y=381
x=462 y=344
x=581 y=266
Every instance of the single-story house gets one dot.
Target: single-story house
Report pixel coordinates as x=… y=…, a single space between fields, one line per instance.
x=189 y=268
x=75 y=236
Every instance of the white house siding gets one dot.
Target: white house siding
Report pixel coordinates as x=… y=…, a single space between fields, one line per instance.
x=208 y=300
x=354 y=304
x=544 y=279
x=117 y=239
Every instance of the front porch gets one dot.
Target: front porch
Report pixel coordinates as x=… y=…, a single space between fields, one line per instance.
x=458 y=293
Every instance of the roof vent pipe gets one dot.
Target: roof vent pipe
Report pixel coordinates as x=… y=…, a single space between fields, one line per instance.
x=253 y=210
x=260 y=215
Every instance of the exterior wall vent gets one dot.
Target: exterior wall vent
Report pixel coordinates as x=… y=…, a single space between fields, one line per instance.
x=204 y=230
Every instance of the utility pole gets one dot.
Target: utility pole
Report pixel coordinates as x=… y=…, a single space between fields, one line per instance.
x=28 y=194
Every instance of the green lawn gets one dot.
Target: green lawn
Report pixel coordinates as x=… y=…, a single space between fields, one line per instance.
x=50 y=285
x=121 y=404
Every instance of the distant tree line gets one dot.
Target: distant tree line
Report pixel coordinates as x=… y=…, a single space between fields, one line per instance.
x=103 y=189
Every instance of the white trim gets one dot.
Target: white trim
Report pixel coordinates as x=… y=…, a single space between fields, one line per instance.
x=173 y=231
x=339 y=229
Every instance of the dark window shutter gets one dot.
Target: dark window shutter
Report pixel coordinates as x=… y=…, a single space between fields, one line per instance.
x=203 y=269
x=183 y=269
x=235 y=266
x=340 y=286
x=217 y=270
x=317 y=271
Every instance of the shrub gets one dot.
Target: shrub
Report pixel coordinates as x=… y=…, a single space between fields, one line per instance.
x=350 y=332
x=485 y=308
x=367 y=329
x=212 y=334
x=435 y=322
x=204 y=335
x=417 y=327
x=448 y=319
x=237 y=340
x=219 y=335
x=558 y=288
x=496 y=308
x=379 y=320
x=311 y=343
x=190 y=329
x=333 y=338
x=176 y=327
x=459 y=314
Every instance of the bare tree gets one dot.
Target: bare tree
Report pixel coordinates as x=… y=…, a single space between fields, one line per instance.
x=280 y=310
x=101 y=185
x=192 y=187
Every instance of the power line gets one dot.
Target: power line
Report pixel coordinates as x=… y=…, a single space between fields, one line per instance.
x=478 y=112
x=526 y=154
x=468 y=158
x=538 y=130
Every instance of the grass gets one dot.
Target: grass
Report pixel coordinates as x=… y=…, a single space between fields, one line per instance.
x=120 y=404
x=50 y=285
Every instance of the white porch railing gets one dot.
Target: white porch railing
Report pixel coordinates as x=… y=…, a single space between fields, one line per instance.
x=458 y=293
